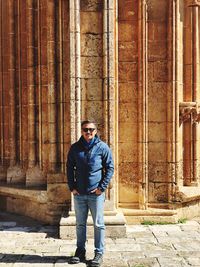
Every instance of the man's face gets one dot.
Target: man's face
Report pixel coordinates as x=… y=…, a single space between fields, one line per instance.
x=88 y=131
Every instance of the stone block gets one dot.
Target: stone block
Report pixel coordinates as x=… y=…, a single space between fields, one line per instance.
x=158 y=91
x=157 y=50
x=128 y=131
x=128 y=51
x=157 y=112
x=157 y=132
x=91 y=5
x=3 y=174
x=157 y=12
x=128 y=31
x=92 y=67
x=157 y=30
x=158 y=171
x=16 y=175
x=35 y=177
x=158 y=192
x=128 y=10
x=91 y=45
x=55 y=178
x=157 y=152
x=128 y=71
x=160 y=72
x=128 y=152
x=93 y=110
x=128 y=112
x=128 y=193
x=128 y=92
x=91 y=22
x=115 y=227
x=92 y=89
x=58 y=193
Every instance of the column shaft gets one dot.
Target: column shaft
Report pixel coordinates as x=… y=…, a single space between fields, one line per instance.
x=52 y=97
x=31 y=83
x=142 y=105
x=12 y=78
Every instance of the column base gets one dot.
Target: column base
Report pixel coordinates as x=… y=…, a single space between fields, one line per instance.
x=35 y=177
x=114 y=221
x=16 y=175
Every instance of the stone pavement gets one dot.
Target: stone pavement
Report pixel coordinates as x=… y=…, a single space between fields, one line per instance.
x=25 y=242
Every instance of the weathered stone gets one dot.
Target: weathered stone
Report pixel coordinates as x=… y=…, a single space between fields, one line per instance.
x=35 y=177
x=16 y=175
x=131 y=66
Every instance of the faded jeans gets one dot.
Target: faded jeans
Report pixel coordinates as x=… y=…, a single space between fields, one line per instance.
x=94 y=203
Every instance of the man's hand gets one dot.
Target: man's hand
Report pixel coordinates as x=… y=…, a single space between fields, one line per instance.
x=75 y=192
x=96 y=191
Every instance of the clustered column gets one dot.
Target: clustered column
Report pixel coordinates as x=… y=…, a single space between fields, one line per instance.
x=31 y=84
x=52 y=106
x=12 y=78
x=142 y=106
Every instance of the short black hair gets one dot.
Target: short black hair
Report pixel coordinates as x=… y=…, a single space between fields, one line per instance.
x=86 y=122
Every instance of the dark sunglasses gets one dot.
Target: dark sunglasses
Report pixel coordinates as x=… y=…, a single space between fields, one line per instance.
x=88 y=129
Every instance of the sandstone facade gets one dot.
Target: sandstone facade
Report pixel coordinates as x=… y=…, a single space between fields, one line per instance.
x=130 y=65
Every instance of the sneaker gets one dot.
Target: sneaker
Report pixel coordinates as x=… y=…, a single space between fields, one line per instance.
x=96 y=262
x=78 y=257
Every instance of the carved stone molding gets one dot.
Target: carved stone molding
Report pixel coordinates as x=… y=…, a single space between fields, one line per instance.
x=192 y=3
x=187 y=111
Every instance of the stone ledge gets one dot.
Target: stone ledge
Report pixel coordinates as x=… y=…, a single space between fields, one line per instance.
x=148 y=212
x=118 y=219
x=115 y=226
x=37 y=195
x=137 y=216
x=188 y=193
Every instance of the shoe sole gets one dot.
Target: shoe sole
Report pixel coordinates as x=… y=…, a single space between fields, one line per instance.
x=76 y=261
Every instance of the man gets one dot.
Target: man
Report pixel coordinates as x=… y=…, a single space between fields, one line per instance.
x=89 y=170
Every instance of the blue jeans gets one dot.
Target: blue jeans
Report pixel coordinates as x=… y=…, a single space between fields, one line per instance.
x=94 y=203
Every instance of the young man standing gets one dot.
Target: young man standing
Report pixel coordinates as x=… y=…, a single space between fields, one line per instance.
x=89 y=170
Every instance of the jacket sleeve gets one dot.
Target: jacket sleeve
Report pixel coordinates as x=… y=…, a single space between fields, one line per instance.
x=108 y=166
x=71 y=170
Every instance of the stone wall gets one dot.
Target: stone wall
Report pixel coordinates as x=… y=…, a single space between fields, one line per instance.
x=130 y=65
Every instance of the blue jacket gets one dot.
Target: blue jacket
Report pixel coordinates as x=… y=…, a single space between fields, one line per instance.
x=89 y=168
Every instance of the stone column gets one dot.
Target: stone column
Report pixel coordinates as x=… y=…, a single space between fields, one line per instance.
x=110 y=91
x=52 y=98
x=14 y=173
x=34 y=175
x=2 y=71
x=56 y=185
x=142 y=105
x=75 y=70
x=12 y=78
x=196 y=89
x=31 y=83
x=172 y=102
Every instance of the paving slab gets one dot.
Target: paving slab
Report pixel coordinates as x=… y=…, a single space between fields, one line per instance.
x=25 y=242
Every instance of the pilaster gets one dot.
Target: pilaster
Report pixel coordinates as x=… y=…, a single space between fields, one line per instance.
x=142 y=105
x=52 y=89
x=172 y=101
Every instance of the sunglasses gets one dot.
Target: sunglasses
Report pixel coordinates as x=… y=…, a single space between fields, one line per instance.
x=88 y=129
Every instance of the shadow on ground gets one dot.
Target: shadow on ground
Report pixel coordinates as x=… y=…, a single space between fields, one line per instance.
x=31 y=259
x=15 y=222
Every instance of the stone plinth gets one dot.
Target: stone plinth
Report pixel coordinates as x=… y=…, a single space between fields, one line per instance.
x=35 y=177
x=114 y=221
x=16 y=175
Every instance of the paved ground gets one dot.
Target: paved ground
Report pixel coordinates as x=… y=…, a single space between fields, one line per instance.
x=24 y=242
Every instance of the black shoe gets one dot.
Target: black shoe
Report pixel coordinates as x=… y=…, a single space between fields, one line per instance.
x=78 y=257
x=96 y=262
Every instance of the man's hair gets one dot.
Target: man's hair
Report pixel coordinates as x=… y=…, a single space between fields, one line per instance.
x=86 y=122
